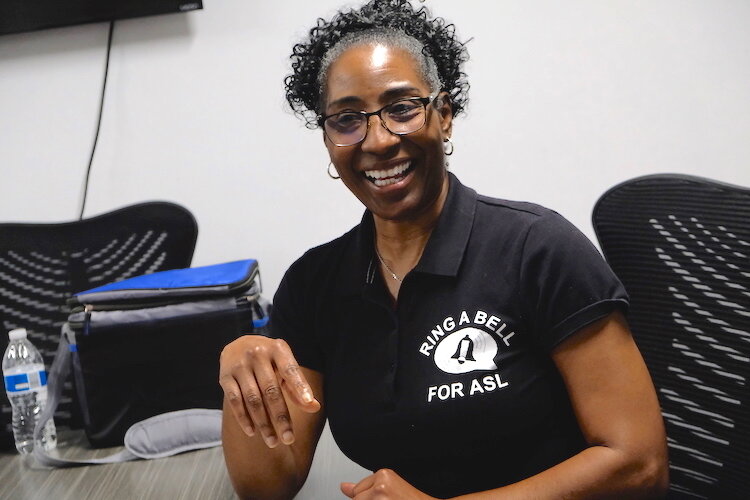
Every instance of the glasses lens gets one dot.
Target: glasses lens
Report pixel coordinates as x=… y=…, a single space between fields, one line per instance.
x=404 y=117
x=346 y=128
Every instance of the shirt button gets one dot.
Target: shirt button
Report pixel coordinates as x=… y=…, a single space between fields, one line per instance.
x=392 y=366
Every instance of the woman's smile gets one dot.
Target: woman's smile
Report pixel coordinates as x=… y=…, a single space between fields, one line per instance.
x=392 y=175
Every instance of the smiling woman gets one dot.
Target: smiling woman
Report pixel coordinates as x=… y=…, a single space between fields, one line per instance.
x=457 y=344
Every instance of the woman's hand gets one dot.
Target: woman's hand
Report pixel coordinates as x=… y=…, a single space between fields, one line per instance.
x=383 y=485
x=261 y=378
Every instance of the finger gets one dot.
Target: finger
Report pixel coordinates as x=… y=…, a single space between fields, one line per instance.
x=293 y=397
x=348 y=489
x=363 y=485
x=254 y=404
x=294 y=379
x=233 y=395
x=276 y=408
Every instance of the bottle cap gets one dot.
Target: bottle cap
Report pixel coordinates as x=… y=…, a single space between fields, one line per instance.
x=18 y=333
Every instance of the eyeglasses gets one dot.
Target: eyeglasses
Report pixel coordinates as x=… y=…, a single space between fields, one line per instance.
x=401 y=117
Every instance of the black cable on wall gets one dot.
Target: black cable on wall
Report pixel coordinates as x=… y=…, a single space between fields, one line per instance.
x=98 y=122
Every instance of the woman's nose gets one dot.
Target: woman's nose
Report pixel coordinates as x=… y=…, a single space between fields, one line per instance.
x=378 y=139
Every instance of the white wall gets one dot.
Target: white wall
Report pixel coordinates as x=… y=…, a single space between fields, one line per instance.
x=567 y=99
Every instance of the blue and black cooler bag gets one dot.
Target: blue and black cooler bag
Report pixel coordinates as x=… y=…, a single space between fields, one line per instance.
x=151 y=344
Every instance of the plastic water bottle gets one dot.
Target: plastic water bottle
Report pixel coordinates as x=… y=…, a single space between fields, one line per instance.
x=26 y=386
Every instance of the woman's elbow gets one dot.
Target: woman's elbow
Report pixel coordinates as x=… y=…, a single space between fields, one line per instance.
x=255 y=484
x=652 y=477
x=252 y=492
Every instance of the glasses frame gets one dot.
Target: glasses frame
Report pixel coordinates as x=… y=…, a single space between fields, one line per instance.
x=425 y=101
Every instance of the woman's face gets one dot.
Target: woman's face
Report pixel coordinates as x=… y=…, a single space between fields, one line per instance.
x=366 y=78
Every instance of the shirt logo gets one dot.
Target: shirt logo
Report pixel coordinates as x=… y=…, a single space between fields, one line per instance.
x=462 y=344
x=466 y=350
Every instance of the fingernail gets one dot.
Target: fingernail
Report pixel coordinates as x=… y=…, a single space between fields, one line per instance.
x=249 y=431
x=307 y=396
x=287 y=437
x=271 y=441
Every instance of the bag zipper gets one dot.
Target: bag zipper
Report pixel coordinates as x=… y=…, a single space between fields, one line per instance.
x=87 y=309
x=87 y=318
x=247 y=281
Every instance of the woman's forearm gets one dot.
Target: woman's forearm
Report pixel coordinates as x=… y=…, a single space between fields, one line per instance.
x=271 y=420
x=596 y=472
x=618 y=412
x=260 y=472
x=271 y=474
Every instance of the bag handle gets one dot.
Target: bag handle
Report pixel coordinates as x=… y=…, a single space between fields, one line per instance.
x=156 y=437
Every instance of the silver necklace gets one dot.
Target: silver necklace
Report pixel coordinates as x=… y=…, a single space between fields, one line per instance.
x=395 y=276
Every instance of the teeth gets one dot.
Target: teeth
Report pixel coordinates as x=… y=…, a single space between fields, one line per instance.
x=385 y=182
x=385 y=177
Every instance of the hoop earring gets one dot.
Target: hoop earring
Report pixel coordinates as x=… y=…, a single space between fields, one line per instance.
x=448 y=146
x=334 y=177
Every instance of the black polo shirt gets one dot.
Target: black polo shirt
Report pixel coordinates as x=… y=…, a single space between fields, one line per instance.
x=454 y=388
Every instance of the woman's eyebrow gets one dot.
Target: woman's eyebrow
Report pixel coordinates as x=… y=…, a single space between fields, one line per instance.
x=397 y=92
x=342 y=101
x=385 y=96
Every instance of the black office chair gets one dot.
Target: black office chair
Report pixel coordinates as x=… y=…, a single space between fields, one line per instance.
x=42 y=265
x=681 y=246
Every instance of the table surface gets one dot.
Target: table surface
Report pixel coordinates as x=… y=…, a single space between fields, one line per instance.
x=194 y=475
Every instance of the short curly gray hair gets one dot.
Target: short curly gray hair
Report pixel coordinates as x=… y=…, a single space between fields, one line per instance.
x=390 y=38
x=436 y=39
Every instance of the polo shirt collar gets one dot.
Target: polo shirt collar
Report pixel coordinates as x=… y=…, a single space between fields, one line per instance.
x=444 y=251
x=447 y=244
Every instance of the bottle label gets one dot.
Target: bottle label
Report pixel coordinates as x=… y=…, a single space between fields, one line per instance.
x=22 y=382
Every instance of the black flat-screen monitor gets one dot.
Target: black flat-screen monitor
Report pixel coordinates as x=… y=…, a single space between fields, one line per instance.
x=29 y=15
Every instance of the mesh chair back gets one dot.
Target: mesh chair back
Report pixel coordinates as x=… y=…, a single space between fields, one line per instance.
x=680 y=245
x=42 y=265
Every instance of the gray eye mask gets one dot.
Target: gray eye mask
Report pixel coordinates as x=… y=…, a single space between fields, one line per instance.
x=156 y=437
x=175 y=432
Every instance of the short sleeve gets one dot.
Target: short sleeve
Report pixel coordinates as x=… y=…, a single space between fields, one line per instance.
x=291 y=318
x=566 y=283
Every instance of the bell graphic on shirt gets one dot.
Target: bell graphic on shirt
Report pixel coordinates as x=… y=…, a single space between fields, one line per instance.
x=464 y=350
